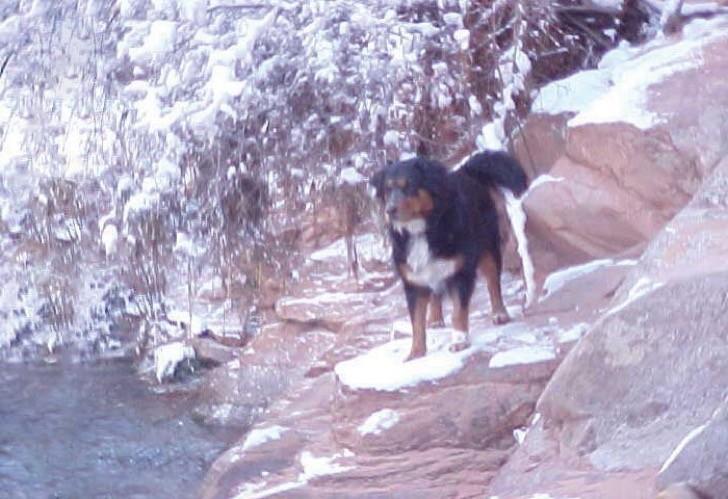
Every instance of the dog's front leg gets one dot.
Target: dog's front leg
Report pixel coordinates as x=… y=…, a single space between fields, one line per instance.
x=417 y=299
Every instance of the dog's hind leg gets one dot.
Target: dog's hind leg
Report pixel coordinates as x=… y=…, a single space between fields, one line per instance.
x=435 y=318
x=417 y=299
x=490 y=266
x=461 y=291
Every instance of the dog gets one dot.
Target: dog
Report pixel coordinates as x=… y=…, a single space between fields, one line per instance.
x=443 y=226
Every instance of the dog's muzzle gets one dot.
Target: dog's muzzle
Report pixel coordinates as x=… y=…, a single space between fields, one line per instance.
x=392 y=204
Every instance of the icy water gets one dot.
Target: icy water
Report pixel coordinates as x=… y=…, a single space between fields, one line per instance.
x=81 y=431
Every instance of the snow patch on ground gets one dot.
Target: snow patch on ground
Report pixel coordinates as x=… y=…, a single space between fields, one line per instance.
x=383 y=368
x=522 y=355
x=379 y=422
x=574 y=333
x=259 y=436
x=369 y=247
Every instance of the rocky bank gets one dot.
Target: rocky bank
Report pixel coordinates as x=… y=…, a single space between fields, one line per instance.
x=613 y=384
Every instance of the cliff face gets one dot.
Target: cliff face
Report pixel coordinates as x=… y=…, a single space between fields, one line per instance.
x=592 y=391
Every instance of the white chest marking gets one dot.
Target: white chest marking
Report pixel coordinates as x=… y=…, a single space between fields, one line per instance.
x=424 y=269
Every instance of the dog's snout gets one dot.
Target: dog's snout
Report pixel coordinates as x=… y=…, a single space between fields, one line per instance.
x=392 y=205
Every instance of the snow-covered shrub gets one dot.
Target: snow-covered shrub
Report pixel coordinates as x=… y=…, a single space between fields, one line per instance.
x=126 y=125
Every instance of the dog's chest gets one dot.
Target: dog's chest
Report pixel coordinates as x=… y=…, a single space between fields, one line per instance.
x=423 y=268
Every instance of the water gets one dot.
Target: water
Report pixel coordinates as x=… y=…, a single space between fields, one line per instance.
x=95 y=430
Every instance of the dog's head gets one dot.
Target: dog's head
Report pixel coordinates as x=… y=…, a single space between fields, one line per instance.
x=407 y=190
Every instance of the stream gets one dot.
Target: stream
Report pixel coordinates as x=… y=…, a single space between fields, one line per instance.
x=70 y=430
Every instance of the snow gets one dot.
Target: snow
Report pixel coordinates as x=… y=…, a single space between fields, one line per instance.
x=522 y=355
x=180 y=316
x=383 y=368
x=378 y=422
x=159 y=42
x=259 y=436
x=351 y=176
x=680 y=446
x=574 y=333
x=312 y=467
x=618 y=91
x=321 y=466
x=110 y=239
x=572 y=94
x=492 y=136
x=369 y=247
x=641 y=288
x=168 y=357
x=184 y=245
x=391 y=138
x=610 y=4
x=557 y=280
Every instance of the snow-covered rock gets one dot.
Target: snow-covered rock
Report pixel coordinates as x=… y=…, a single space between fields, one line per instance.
x=631 y=149
x=168 y=357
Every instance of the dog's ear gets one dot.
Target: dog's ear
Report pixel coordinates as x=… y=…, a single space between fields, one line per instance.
x=376 y=182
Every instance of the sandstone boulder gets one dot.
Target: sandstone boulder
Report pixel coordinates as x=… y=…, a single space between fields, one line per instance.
x=645 y=376
x=699 y=460
x=634 y=153
x=658 y=363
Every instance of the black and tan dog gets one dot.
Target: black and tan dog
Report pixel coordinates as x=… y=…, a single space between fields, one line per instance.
x=444 y=228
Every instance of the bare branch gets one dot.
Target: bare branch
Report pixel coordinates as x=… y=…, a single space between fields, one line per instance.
x=245 y=6
x=670 y=18
x=5 y=63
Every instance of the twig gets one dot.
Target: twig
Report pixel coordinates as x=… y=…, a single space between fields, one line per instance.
x=5 y=63
x=246 y=6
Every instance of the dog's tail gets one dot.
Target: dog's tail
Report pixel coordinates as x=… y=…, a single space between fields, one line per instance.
x=497 y=169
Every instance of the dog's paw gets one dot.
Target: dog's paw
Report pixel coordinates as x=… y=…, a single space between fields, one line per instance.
x=500 y=317
x=459 y=346
x=415 y=354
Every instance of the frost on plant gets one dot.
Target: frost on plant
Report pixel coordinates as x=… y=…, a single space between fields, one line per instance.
x=133 y=131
